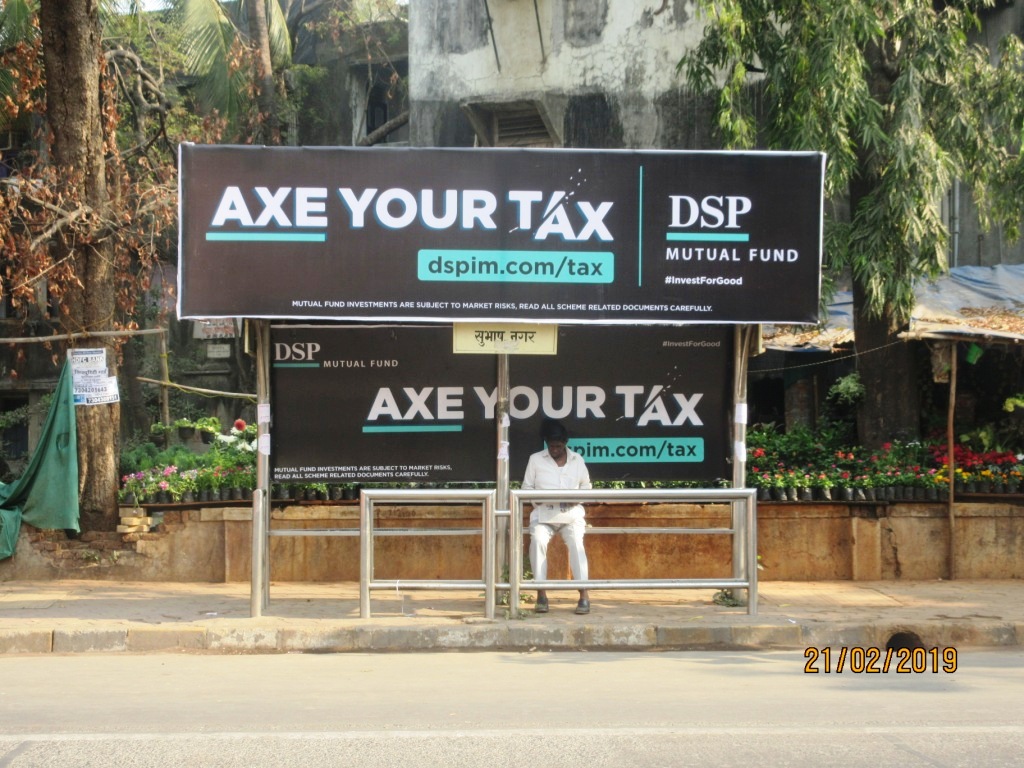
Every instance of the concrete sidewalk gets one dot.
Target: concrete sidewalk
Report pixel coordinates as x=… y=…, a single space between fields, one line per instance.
x=73 y=616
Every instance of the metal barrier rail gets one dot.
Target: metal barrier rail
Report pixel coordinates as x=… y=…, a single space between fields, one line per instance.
x=380 y=531
x=744 y=543
x=370 y=498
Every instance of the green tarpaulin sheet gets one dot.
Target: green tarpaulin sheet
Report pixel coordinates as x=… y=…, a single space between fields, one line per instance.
x=46 y=495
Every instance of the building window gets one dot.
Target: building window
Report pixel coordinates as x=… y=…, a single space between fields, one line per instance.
x=14 y=436
x=385 y=99
x=511 y=124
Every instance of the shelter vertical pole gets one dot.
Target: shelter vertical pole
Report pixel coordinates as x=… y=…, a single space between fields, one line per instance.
x=365 y=554
x=259 y=591
x=501 y=496
x=741 y=341
x=951 y=461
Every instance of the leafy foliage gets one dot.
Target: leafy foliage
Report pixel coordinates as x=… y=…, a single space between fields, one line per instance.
x=900 y=98
x=217 y=53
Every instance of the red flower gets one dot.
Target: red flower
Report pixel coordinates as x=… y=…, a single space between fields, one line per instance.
x=240 y=425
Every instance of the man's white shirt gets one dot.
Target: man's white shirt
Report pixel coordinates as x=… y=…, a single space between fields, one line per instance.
x=544 y=474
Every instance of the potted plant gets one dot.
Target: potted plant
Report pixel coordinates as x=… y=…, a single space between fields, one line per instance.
x=158 y=433
x=204 y=484
x=316 y=492
x=186 y=429
x=219 y=488
x=209 y=428
x=823 y=483
x=156 y=484
x=186 y=486
x=762 y=481
x=170 y=485
x=803 y=486
x=864 y=487
x=132 y=488
x=1014 y=475
x=245 y=479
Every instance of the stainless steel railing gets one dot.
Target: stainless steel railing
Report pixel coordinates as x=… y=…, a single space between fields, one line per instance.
x=743 y=530
x=368 y=501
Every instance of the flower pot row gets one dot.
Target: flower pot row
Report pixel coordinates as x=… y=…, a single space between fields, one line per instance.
x=189 y=497
x=330 y=493
x=884 y=493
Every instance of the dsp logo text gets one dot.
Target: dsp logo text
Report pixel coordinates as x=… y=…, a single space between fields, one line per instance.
x=711 y=212
x=296 y=352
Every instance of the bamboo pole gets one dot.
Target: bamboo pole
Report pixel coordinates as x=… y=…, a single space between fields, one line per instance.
x=82 y=335
x=197 y=390
x=165 y=395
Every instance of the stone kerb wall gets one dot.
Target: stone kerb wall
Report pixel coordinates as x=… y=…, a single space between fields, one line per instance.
x=796 y=542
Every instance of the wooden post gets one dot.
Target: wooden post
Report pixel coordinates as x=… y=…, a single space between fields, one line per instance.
x=165 y=396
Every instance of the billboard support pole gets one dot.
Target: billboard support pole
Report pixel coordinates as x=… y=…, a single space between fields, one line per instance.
x=741 y=346
x=502 y=476
x=259 y=595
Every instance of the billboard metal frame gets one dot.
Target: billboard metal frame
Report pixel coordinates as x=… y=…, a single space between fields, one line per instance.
x=701 y=210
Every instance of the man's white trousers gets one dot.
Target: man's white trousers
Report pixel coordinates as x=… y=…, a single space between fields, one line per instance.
x=571 y=533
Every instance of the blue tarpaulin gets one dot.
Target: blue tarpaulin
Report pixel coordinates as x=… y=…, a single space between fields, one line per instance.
x=46 y=494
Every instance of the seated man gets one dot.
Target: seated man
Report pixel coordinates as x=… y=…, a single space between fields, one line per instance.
x=557 y=468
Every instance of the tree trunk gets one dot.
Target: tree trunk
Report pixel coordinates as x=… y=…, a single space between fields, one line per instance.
x=72 y=54
x=137 y=417
x=885 y=362
x=264 y=75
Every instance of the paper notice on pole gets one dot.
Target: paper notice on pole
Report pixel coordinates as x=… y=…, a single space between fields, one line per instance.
x=91 y=383
x=95 y=390
x=83 y=360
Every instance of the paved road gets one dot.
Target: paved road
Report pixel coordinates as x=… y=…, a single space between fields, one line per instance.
x=504 y=709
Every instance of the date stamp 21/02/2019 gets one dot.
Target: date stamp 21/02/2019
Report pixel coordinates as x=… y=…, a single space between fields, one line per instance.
x=862 y=660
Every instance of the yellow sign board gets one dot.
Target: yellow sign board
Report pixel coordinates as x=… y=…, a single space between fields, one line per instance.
x=505 y=338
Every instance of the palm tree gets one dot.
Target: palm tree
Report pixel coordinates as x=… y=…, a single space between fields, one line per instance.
x=233 y=50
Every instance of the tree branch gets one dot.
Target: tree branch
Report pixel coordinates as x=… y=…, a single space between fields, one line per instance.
x=384 y=131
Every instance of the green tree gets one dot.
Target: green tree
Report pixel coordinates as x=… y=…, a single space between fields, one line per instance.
x=235 y=50
x=904 y=102
x=79 y=217
x=71 y=35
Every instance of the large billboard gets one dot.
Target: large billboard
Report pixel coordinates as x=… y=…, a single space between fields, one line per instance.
x=523 y=235
x=396 y=404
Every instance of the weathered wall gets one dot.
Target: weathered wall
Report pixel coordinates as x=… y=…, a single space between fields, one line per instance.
x=604 y=72
x=863 y=542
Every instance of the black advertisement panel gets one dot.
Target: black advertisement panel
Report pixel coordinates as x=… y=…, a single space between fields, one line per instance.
x=566 y=236
x=395 y=404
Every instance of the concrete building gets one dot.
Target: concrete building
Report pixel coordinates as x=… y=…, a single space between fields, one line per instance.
x=562 y=73
x=602 y=74
x=598 y=74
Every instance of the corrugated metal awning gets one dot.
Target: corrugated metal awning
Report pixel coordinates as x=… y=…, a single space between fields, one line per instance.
x=981 y=304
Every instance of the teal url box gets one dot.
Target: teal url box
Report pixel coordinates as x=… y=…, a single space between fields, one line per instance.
x=473 y=266
x=597 y=450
